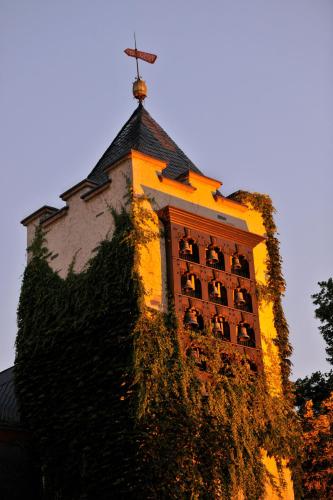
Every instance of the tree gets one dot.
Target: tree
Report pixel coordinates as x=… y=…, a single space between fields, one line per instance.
x=314 y=401
x=318 y=450
x=317 y=387
x=324 y=312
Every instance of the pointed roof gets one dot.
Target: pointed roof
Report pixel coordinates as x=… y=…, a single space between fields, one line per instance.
x=143 y=134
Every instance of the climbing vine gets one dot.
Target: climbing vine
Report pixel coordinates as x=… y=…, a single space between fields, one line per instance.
x=275 y=281
x=116 y=407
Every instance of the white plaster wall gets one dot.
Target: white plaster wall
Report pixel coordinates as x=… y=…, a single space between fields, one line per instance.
x=78 y=233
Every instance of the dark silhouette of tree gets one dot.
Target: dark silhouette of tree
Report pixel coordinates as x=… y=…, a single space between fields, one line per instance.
x=324 y=312
x=317 y=387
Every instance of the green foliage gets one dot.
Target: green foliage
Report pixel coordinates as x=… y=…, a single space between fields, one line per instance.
x=116 y=408
x=204 y=434
x=273 y=291
x=324 y=312
x=314 y=405
x=318 y=450
x=74 y=350
x=317 y=387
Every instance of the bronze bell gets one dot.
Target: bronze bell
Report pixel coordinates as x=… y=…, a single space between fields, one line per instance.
x=215 y=290
x=191 y=317
x=218 y=325
x=212 y=256
x=236 y=262
x=243 y=336
x=185 y=247
x=189 y=287
x=239 y=297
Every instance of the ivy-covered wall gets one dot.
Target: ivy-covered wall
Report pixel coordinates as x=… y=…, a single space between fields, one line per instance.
x=116 y=408
x=275 y=287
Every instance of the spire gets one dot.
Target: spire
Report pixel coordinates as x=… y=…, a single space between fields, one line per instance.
x=141 y=133
x=139 y=85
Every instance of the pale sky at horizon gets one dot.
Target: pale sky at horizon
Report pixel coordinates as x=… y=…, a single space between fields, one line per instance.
x=244 y=88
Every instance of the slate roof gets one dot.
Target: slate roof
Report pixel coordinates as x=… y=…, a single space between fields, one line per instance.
x=143 y=134
x=9 y=413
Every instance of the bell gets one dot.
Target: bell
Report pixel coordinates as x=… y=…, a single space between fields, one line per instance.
x=239 y=298
x=215 y=291
x=189 y=287
x=218 y=325
x=185 y=247
x=212 y=256
x=243 y=336
x=236 y=262
x=191 y=317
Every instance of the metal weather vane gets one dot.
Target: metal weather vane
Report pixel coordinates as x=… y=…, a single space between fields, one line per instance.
x=139 y=86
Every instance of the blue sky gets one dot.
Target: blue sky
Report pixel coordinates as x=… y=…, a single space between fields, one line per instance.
x=244 y=88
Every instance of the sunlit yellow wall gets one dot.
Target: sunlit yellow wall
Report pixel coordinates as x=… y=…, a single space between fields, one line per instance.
x=145 y=173
x=271 y=493
x=153 y=267
x=268 y=331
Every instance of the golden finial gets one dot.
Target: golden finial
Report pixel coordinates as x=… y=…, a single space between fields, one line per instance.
x=139 y=85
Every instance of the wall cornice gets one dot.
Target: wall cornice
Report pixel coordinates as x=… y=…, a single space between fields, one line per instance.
x=214 y=228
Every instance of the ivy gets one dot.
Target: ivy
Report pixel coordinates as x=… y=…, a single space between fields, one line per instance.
x=276 y=284
x=273 y=291
x=116 y=408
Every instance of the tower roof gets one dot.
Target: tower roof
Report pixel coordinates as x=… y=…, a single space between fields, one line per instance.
x=143 y=134
x=8 y=404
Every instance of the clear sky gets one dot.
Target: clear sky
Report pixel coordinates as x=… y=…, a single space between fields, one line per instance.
x=243 y=87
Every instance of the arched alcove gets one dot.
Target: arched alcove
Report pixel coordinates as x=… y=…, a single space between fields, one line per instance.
x=217 y=293
x=191 y=285
x=188 y=250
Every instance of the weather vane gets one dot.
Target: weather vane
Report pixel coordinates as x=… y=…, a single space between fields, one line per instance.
x=139 y=86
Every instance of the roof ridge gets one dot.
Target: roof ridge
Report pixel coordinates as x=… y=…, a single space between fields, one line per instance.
x=138 y=126
x=137 y=109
